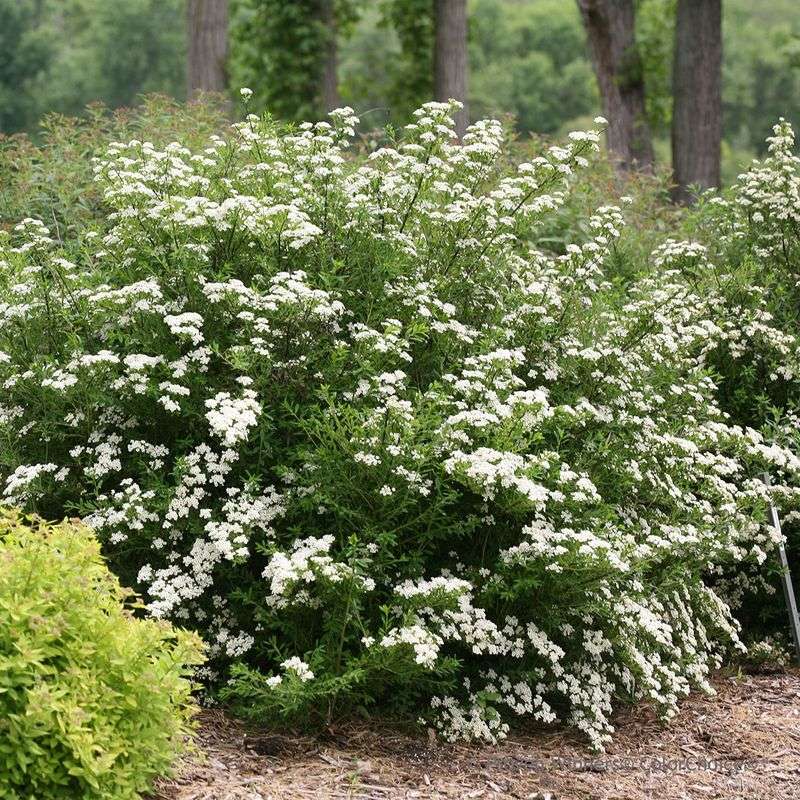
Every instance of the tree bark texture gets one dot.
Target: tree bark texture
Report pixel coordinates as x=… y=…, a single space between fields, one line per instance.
x=450 y=65
x=697 y=97
x=207 y=52
x=610 y=29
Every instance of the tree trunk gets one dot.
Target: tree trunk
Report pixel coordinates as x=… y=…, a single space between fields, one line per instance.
x=207 y=33
x=610 y=29
x=697 y=97
x=330 y=80
x=450 y=56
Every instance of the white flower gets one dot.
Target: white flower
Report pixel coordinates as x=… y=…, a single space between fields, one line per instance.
x=299 y=668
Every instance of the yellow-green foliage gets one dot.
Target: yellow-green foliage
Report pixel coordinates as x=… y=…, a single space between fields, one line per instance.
x=94 y=703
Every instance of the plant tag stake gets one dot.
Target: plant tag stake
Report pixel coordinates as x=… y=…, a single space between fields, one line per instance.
x=786 y=578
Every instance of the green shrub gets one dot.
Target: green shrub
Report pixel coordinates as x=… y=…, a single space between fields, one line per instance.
x=94 y=703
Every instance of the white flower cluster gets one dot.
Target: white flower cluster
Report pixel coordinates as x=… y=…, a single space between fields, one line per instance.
x=299 y=668
x=231 y=418
x=490 y=470
x=20 y=485
x=289 y=576
x=424 y=644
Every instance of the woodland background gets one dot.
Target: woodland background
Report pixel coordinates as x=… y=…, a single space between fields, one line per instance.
x=526 y=59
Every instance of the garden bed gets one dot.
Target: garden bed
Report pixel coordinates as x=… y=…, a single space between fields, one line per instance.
x=743 y=743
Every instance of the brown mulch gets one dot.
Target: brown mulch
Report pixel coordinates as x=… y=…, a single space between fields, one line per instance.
x=743 y=743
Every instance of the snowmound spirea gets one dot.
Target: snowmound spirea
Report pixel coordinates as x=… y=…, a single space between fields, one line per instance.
x=336 y=411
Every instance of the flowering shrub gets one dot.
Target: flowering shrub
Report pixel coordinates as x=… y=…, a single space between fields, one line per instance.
x=94 y=703
x=751 y=233
x=767 y=655
x=340 y=415
x=743 y=249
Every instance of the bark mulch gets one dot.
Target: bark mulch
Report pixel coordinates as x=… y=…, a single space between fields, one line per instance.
x=743 y=743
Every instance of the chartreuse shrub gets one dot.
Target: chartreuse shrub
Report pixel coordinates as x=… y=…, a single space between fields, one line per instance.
x=94 y=703
x=339 y=414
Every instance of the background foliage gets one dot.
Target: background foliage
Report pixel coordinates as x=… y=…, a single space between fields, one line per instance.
x=528 y=59
x=60 y=55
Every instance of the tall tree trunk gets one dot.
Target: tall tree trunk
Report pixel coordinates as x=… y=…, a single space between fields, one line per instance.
x=330 y=78
x=450 y=64
x=207 y=33
x=697 y=97
x=610 y=29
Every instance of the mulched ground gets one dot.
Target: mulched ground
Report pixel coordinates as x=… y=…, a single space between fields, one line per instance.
x=743 y=743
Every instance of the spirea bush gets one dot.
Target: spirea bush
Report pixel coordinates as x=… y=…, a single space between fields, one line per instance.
x=742 y=247
x=94 y=703
x=751 y=234
x=341 y=415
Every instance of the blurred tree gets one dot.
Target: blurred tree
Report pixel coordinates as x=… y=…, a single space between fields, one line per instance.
x=697 y=93
x=367 y=59
x=287 y=52
x=25 y=52
x=610 y=29
x=59 y=55
x=118 y=50
x=530 y=59
x=207 y=52
x=761 y=69
x=112 y=51
x=527 y=58
x=450 y=66
x=411 y=72
x=655 y=37
x=330 y=75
